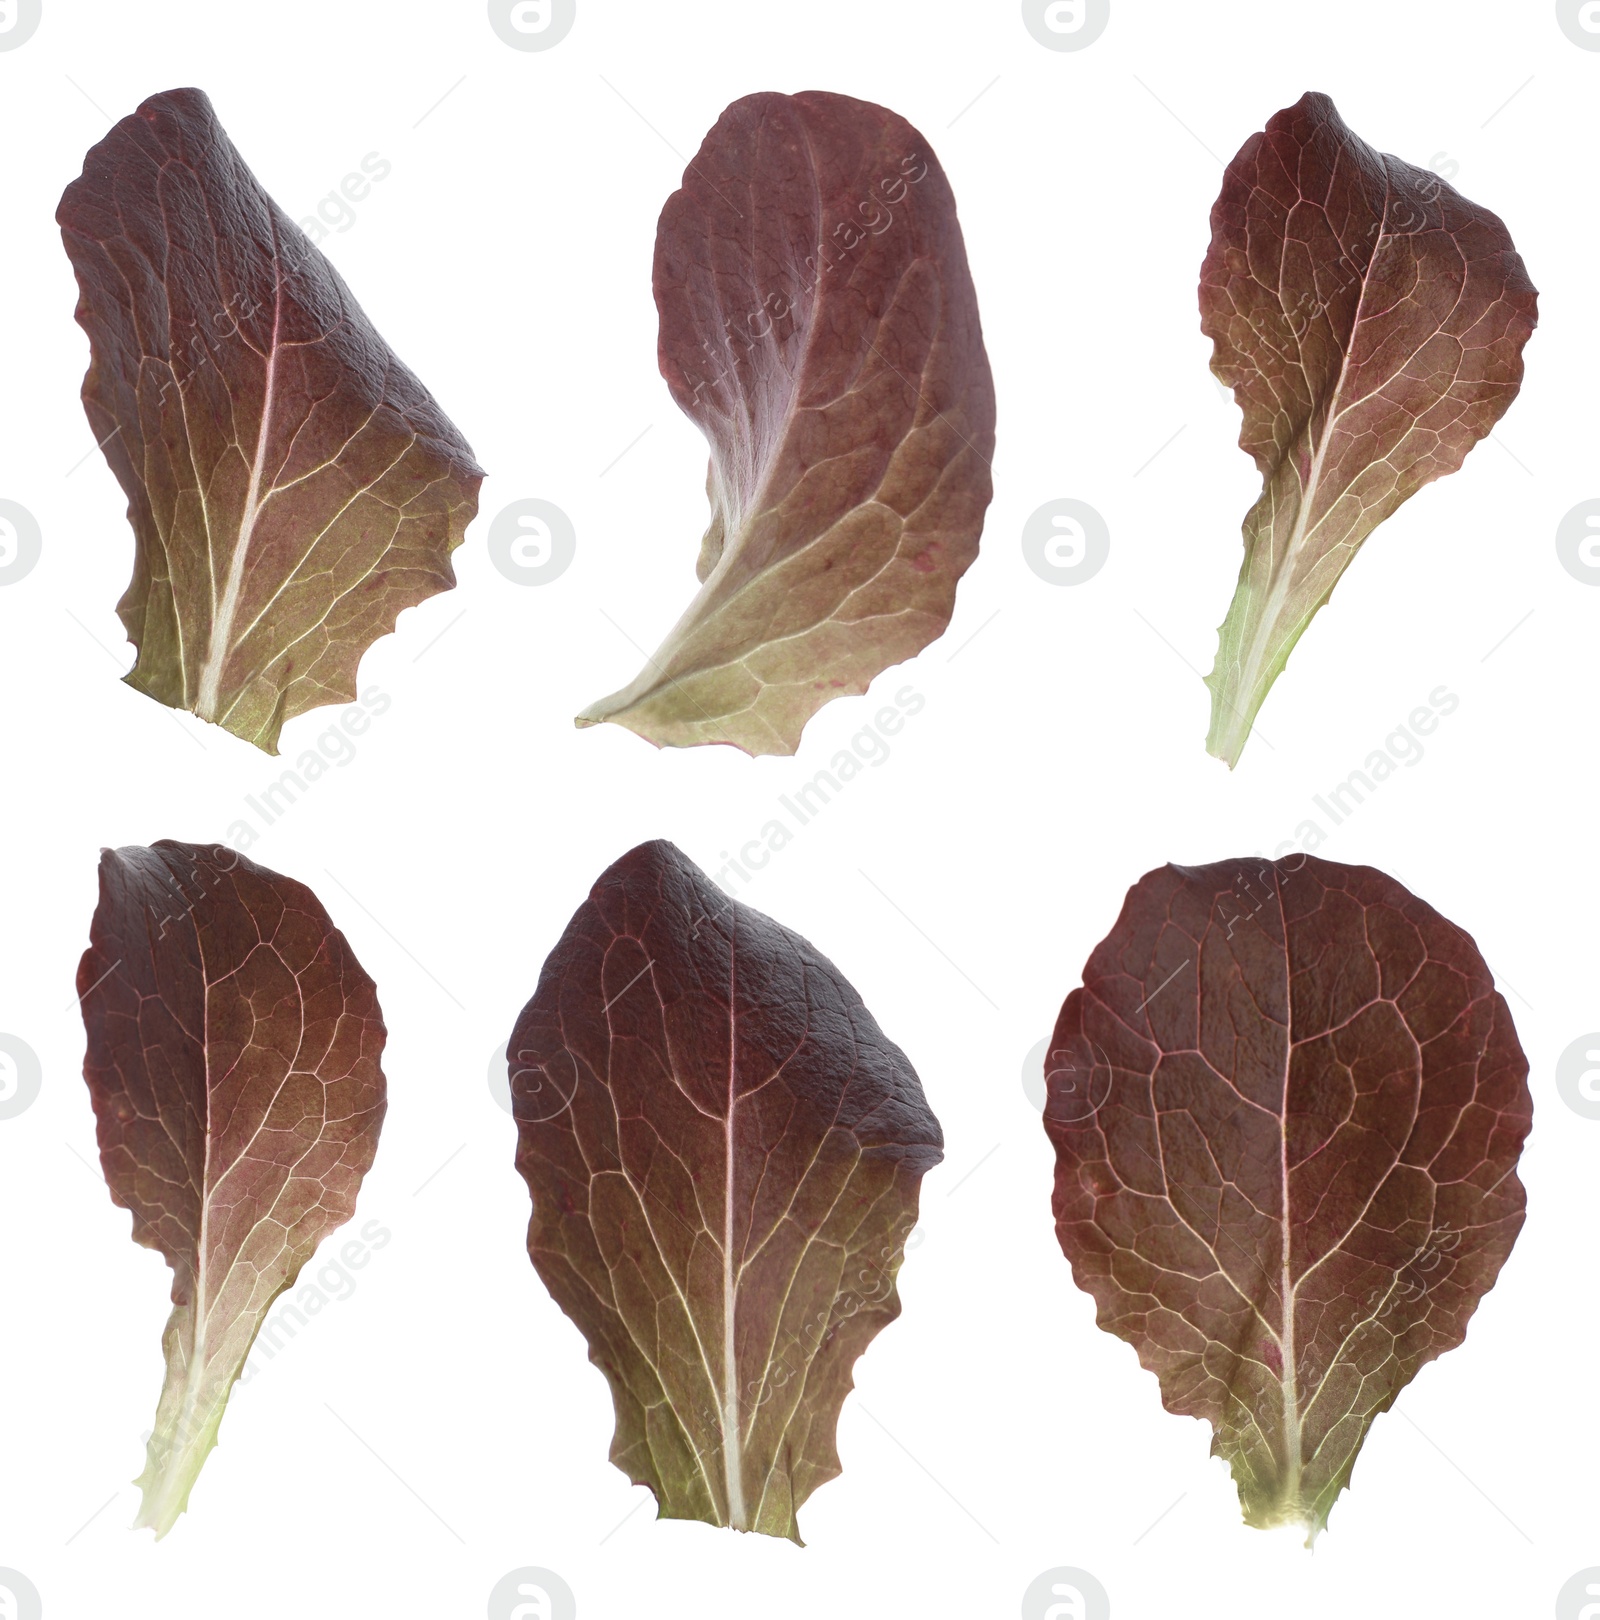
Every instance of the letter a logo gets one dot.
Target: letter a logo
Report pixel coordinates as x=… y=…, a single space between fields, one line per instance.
x=537 y=1608
x=1072 y=1608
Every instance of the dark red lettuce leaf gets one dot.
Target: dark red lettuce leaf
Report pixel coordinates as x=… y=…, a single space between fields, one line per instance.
x=233 y=1064
x=1287 y=1107
x=818 y=324
x=291 y=485
x=724 y=1152
x=1370 y=321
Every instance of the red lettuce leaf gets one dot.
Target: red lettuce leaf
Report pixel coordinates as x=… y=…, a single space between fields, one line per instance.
x=233 y=1064
x=1370 y=322
x=724 y=1152
x=818 y=324
x=1287 y=1107
x=291 y=485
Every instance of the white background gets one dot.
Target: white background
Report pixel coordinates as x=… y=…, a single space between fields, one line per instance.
x=960 y=885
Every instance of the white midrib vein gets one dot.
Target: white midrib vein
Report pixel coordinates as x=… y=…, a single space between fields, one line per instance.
x=194 y=1373
x=732 y=1443
x=226 y=611
x=737 y=516
x=1288 y=1377
x=1283 y=575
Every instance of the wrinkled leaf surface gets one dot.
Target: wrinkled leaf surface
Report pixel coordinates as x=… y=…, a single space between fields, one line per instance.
x=233 y=1064
x=818 y=323
x=724 y=1152
x=1287 y=1106
x=292 y=486
x=1370 y=322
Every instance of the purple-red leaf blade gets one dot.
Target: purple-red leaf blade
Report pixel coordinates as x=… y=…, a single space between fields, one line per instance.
x=724 y=1153
x=291 y=485
x=1287 y=1106
x=233 y=1065
x=819 y=325
x=1370 y=321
